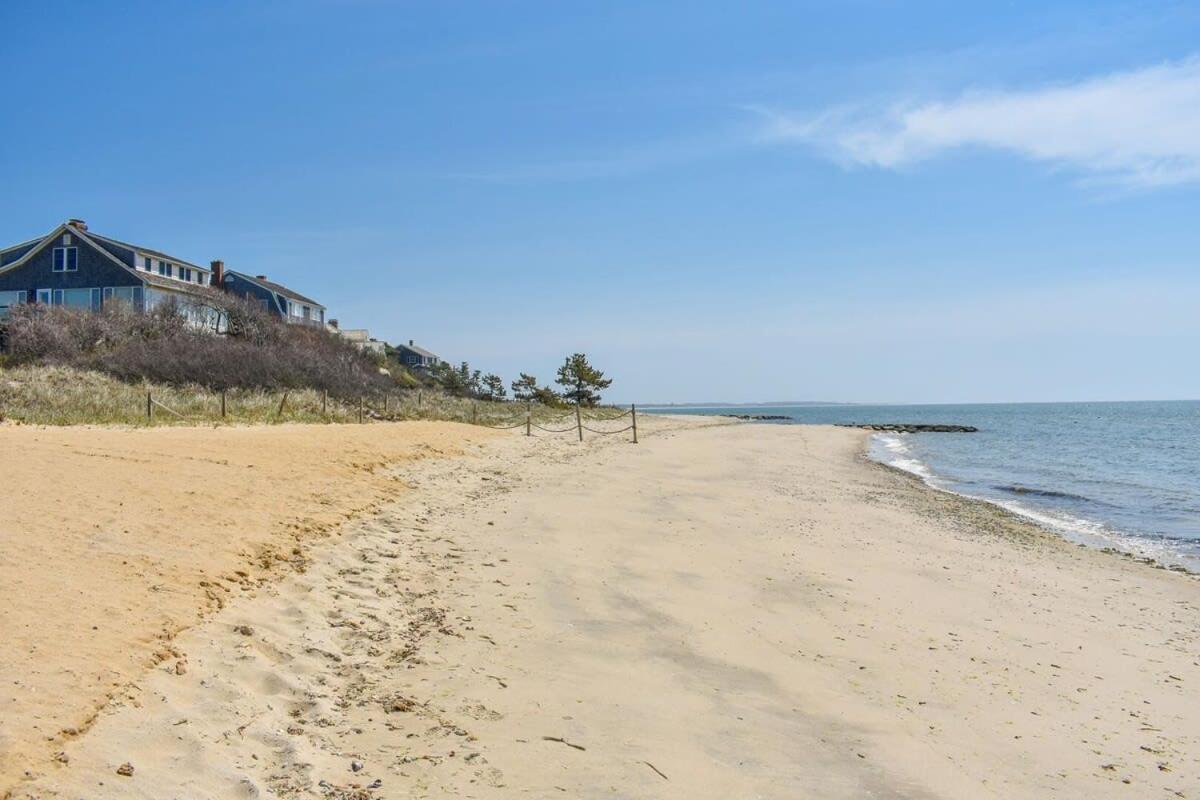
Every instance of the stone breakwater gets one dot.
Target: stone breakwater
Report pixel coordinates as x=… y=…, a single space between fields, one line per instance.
x=907 y=428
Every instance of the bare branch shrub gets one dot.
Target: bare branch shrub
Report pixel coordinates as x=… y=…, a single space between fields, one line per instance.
x=238 y=346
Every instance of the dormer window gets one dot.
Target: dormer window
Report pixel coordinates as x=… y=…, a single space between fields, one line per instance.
x=164 y=268
x=66 y=259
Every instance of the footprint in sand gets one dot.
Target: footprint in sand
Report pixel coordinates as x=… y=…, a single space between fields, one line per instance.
x=480 y=711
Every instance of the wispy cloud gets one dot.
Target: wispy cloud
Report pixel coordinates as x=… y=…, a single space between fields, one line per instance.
x=1137 y=128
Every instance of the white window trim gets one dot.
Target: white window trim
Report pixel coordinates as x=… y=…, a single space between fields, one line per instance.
x=65 y=250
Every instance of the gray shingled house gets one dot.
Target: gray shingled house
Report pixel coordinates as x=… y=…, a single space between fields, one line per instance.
x=75 y=267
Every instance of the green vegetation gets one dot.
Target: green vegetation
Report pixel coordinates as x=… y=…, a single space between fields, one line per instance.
x=493 y=387
x=51 y=395
x=581 y=381
x=65 y=366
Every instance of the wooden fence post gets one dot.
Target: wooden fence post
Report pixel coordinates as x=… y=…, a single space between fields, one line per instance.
x=222 y=404
x=149 y=406
x=474 y=413
x=325 y=402
x=633 y=410
x=418 y=398
x=387 y=401
x=578 y=421
x=282 y=405
x=529 y=419
x=360 y=409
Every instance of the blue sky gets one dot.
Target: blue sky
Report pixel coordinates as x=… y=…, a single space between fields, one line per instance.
x=716 y=201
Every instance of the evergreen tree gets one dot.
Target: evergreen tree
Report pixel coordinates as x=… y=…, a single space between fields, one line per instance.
x=547 y=397
x=493 y=387
x=449 y=379
x=581 y=381
x=469 y=380
x=525 y=387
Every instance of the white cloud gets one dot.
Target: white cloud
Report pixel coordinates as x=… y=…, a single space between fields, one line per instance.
x=1138 y=128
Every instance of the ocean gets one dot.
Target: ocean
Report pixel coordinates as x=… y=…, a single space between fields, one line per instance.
x=1122 y=475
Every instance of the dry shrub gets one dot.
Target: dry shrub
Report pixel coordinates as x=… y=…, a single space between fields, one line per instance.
x=252 y=350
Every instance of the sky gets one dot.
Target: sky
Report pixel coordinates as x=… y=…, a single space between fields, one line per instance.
x=716 y=201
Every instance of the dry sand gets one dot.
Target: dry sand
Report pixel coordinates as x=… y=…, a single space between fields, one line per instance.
x=113 y=540
x=730 y=611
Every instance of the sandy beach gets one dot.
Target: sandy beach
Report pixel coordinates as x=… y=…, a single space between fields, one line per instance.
x=435 y=610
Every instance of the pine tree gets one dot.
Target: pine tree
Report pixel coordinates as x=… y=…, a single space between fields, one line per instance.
x=493 y=387
x=581 y=381
x=525 y=387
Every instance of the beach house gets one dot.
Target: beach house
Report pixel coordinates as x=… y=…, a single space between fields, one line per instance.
x=414 y=357
x=359 y=337
x=78 y=268
x=75 y=267
x=285 y=303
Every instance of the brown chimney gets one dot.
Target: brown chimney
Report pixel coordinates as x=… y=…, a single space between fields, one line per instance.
x=261 y=277
x=410 y=344
x=77 y=224
x=218 y=273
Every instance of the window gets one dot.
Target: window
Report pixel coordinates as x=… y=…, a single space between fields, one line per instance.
x=66 y=259
x=125 y=294
x=146 y=263
x=8 y=299
x=306 y=312
x=186 y=274
x=43 y=296
x=66 y=238
x=164 y=268
x=75 y=298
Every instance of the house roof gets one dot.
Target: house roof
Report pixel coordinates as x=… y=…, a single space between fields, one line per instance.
x=421 y=351
x=278 y=288
x=97 y=241
x=147 y=250
x=74 y=231
x=28 y=243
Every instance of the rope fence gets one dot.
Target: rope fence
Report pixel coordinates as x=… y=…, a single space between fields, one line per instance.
x=578 y=428
x=362 y=410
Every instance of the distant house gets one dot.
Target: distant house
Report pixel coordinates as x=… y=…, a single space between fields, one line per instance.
x=415 y=357
x=75 y=267
x=287 y=304
x=360 y=338
x=78 y=268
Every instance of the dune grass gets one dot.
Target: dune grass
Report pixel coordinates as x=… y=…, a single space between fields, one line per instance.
x=40 y=395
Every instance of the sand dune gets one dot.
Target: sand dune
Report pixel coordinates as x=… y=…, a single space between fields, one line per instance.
x=730 y=611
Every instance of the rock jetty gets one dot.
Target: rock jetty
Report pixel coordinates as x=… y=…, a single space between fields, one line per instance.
x=758 y=417
x=899 y=427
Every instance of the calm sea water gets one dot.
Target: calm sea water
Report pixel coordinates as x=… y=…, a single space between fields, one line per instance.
x=1125 y=475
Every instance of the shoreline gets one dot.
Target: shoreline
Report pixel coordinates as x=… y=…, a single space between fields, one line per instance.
x=1100 y=542
x=826 y=622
